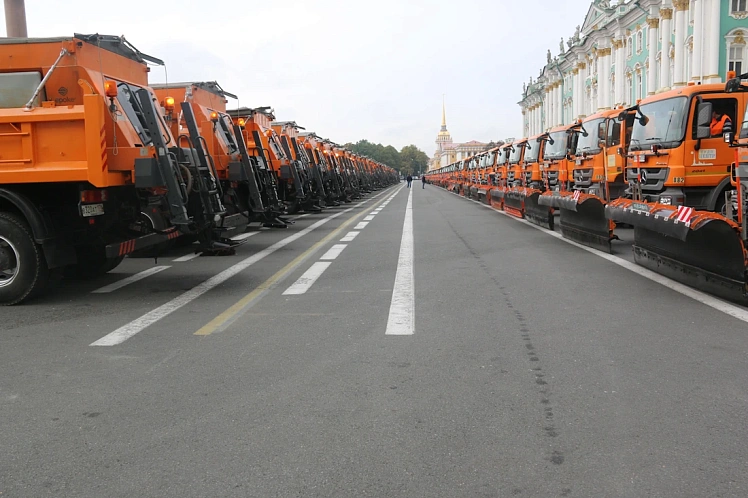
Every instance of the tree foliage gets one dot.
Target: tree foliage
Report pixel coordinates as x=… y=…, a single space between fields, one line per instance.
x=410 y=160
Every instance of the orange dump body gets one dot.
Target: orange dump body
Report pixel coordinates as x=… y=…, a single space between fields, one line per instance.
x=69 y=135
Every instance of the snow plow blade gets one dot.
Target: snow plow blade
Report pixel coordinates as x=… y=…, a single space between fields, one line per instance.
x=583 y=220
x=697 y=248
x=551 y=198
x=484 y=195
x=535 y=212
x=497 y=198
x=514 y=202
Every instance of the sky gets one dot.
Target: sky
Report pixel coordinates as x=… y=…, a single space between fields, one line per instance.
x=347 y=70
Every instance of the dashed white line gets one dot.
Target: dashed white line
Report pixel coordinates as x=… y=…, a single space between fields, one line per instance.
x=307 y=279
x=369 y=218
x=243 y=236
x=187 y=257
x=128 y=280
x=333 y=252
x=401 y=320
x=361 y=225
x=349 y=236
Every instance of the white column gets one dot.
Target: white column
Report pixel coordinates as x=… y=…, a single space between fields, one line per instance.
x=666 y=16
x=715 y=45
x=681 y=27
x=653 y=23
x=603 y=78
x=556 y=103
x=620 y=69
x=560 y=118
x=698 y=33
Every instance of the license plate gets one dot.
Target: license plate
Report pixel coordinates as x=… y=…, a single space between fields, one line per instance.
x=92 y=210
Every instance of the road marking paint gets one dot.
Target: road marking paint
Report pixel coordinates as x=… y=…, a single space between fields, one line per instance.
x=138 y=325
x=225 y=319
x=349 y=237
x=361 y=225
x=299 y=216
x=243 y=236
x=369 y=218
x=307 y=279
x=706 y=299
x=186 y=258
x=375 y=212
x=129 y=280
x=333 y=252
x=403 y=305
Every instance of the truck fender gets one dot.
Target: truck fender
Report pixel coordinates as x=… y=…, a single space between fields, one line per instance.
x=56 y=252
x=713 y=197
x=40 y=227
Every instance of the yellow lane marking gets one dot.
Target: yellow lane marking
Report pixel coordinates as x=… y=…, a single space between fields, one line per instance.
x=231 y=313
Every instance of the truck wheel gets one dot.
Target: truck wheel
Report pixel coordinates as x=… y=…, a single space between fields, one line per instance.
x=23 y=269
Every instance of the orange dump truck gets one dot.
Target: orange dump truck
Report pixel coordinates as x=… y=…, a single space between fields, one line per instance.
x=198 y=110
x=89 y=170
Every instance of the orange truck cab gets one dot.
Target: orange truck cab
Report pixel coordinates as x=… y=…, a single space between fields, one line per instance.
x=531 y=176
x=312 y=145
x=89 y=171
x=513 y=198
x=501 y=171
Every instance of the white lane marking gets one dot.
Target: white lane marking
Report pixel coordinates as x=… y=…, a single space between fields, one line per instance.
x=349 y=237
x=361 y=225
x=186 y=258
x=333 y=252
x=706 y=299
x=129 y=280
x=307 y=279
x=369 y=218
x=403 y=305
x=243 y=236
x=139 y=324
x=299 y=216
x=375 y=212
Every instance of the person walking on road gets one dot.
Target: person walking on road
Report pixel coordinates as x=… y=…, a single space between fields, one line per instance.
x=423 y=181
x=410 y=180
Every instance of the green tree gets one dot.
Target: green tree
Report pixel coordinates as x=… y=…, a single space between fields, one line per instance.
x=413 y=160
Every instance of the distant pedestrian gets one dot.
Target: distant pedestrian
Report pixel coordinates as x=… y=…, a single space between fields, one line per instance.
x=423 y=181
x=410 y=180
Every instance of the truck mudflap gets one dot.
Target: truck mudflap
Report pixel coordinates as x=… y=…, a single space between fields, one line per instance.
x=514 y=201
x=536 y=213
x=583 y=220
x=701 y=249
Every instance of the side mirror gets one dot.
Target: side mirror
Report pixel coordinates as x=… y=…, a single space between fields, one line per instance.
x=551 y=141
x=703 y=119
x=643 y=120
x=732 y=85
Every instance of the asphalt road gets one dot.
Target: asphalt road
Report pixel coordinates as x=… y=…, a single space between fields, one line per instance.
x=534 y=368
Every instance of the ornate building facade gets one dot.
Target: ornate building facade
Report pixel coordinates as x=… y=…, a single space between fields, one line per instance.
x=447 y=152
x=634 y=48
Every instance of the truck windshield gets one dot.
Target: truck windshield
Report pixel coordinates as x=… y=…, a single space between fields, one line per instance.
x=665 y=127
x=744 y=126
x=557 y=149
x=489 y=159
x=595 y=132
x=532 y=152
x=516 y=154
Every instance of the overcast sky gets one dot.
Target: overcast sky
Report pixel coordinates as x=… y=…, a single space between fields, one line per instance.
x=345 y=69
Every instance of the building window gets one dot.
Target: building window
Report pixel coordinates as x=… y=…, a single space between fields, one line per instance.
x=629 y=88
x=639 y=41
x=630 y=48
x=735 y=61
x=738 y=6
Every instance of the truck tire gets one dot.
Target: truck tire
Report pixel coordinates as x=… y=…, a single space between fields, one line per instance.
x=23 y=268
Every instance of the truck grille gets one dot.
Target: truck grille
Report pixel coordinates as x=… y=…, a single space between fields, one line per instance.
x=653 y=179
x=583 y=178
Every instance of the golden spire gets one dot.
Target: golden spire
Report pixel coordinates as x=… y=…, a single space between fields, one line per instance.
x=444 y=115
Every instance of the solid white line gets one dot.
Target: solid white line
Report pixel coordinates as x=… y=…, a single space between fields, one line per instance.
x=132 y=278
x=138 y=325
x=706 y=299
x=186 y=258
x=361 y=225
x=333 y=252
x=403 y=305
x=369 y=218
x=243 y=236
x=349 y=236
x=307 y=279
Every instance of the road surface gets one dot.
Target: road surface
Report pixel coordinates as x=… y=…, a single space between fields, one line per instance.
x=416 y=344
